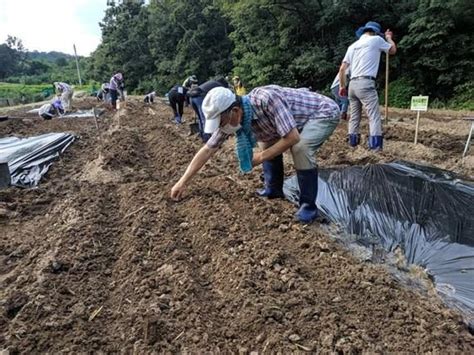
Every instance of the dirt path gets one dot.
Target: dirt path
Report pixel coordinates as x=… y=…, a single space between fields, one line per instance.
x=99 y=258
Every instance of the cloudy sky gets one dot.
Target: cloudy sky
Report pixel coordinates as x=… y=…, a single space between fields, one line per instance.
x=53 y=25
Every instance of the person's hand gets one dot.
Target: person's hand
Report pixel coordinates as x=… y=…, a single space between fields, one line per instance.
x=342 y=92
x=257 y=159
x=177 y=191
x=388 y=34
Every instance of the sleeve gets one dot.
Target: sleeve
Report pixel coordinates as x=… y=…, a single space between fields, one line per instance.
x=384 y=46
x=278 y=112
x=348 y=57
x=217 y=139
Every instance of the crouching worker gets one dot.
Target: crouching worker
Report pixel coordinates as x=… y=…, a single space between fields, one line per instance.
x=65 y=91
x=103 y=93
x=177 y=97
x=48 y=111
x=149 y=98
x=280 y=119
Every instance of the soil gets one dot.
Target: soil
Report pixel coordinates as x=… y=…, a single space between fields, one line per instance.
x=98 y=258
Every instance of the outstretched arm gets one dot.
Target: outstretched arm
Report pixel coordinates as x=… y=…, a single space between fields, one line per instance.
x=201 y=158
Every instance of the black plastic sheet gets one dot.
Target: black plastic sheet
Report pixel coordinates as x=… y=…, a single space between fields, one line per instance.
x=427 y=212
x=30 y=158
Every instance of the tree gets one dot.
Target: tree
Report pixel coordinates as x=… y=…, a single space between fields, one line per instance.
x=188 y=37
x=12 y=57
x=440 y=47
x=124 y=44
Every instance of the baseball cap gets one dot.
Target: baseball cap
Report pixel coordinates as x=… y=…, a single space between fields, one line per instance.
x=216 y=101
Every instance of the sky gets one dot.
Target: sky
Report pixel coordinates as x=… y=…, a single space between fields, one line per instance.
x=53 y=25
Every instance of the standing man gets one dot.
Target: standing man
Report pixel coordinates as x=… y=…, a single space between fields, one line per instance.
x=363 y=56
x=280 y=119
x=65 y=92
x=115 y=85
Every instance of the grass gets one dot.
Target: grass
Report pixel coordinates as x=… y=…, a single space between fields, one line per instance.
x=22 y=94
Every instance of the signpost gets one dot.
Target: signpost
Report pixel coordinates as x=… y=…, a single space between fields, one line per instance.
x=468 y=142
x=418 y=104
x=77 y=65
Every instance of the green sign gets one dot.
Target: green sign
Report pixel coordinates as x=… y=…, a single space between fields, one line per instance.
x=419 y=103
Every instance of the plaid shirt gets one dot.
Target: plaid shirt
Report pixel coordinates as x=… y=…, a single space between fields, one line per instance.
x=277 y=110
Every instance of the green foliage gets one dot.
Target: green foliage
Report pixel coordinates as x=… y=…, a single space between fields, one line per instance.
x=440 y=47
x=463 y=98
x=21 y=93
x=191 y=38
x=298 y=43
x=400 y=92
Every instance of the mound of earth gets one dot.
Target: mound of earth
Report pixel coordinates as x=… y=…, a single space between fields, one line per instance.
x=98 y=258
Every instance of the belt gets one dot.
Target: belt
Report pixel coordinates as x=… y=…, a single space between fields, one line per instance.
x=363 y=77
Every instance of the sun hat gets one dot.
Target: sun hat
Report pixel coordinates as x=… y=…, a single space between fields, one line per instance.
x=370 y=26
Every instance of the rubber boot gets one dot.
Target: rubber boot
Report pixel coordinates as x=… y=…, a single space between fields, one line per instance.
x=375 y=142
x=273 y=178
x=308 y=184
x=354 y=139
x=177 y=119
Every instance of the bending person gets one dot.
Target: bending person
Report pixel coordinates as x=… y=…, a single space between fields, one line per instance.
x=280 y=119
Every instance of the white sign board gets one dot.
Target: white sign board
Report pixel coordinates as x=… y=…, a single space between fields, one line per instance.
x=419 y=103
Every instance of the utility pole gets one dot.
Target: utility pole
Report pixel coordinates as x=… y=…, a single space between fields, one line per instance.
x=77 y=65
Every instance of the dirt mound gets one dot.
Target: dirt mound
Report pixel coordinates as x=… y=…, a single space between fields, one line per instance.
x=98 y=258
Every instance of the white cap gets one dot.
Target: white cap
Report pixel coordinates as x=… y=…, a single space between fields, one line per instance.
x=216 y=101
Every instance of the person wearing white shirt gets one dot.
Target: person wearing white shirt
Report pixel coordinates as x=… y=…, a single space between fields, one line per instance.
x=363 y=57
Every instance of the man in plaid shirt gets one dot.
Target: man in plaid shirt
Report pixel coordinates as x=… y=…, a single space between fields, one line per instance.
x=280 y=119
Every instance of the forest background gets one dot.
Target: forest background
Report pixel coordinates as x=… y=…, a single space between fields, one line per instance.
x=296 y=43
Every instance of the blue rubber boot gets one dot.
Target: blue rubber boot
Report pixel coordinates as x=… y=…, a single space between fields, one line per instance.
x=354 y=139
x=308 y=184
x=375 y=142
x=273 y=177
x=177 y=119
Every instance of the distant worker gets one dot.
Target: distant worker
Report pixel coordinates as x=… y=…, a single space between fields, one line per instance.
x=65 y=91
x=239 y=88
x=363 y=57
x=197 y=96
x=342 y=101
x=114 y=86
x=176 y=97
x=102 y=94
x=53 y=109
x=190 y=82
x=280 y=119
x=149 y=98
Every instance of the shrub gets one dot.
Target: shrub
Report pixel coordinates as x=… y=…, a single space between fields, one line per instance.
x=400 y=92
x=463 y=98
